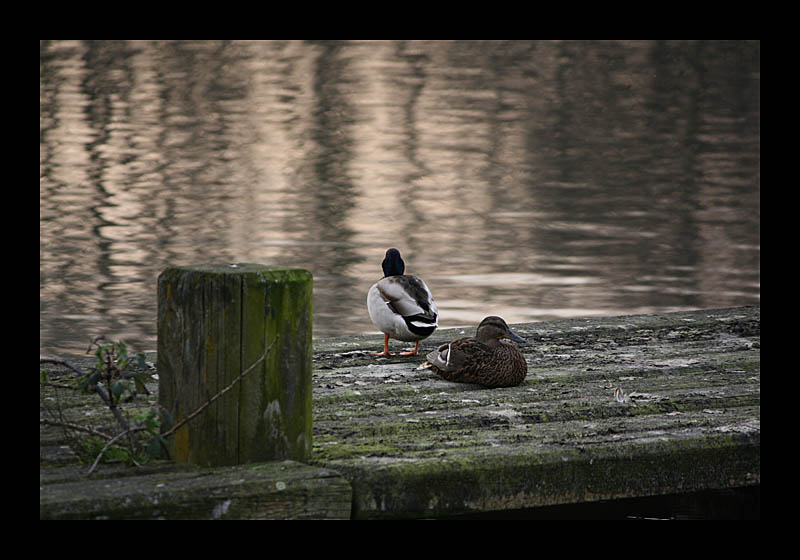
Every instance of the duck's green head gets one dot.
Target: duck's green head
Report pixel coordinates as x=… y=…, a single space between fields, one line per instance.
x=495 y=328
x=393 y=264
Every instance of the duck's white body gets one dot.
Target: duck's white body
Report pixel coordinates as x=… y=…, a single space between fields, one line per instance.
x=401 y=306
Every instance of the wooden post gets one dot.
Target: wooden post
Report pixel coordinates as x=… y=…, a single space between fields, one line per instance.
x=216 y=321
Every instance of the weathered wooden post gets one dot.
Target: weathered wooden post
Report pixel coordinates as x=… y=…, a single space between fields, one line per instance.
x=215 y=322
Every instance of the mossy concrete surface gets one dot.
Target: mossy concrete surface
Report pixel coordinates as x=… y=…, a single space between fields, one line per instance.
x=617 y=407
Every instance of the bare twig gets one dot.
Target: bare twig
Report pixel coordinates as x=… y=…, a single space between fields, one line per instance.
x=61 y=363
x=218 y=395
x=56 y=386
x=71 y=426
x=111 y=442
x=94 y=342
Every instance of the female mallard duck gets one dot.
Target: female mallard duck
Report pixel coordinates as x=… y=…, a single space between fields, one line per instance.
x=401 y=305
x=483 y=359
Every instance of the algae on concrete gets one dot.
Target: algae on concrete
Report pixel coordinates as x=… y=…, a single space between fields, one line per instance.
x=612 y=407
x=414 y=445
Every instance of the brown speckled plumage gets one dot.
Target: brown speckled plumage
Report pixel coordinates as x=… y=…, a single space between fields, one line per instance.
x=483 y=359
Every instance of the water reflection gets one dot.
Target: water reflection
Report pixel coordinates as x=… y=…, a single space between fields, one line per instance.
x=527 y=179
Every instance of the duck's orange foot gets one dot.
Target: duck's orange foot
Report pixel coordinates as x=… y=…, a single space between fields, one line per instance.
x=411 y=352
x=385 y=352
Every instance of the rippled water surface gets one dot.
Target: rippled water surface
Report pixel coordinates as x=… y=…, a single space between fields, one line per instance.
x=531 y=180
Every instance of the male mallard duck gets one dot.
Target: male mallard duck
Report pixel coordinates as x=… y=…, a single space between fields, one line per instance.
x=401 y=305
x=483 y=359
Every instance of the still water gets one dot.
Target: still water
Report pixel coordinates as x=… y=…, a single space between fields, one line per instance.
x=532 y=180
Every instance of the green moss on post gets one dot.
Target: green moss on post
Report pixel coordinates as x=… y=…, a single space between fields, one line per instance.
x=214 y=322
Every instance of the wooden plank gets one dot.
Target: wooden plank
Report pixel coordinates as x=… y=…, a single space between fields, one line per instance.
x=687 y=417
x=272 y=490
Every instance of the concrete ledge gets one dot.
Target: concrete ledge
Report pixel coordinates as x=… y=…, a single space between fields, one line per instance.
x=685 y=418
x=612 y=408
